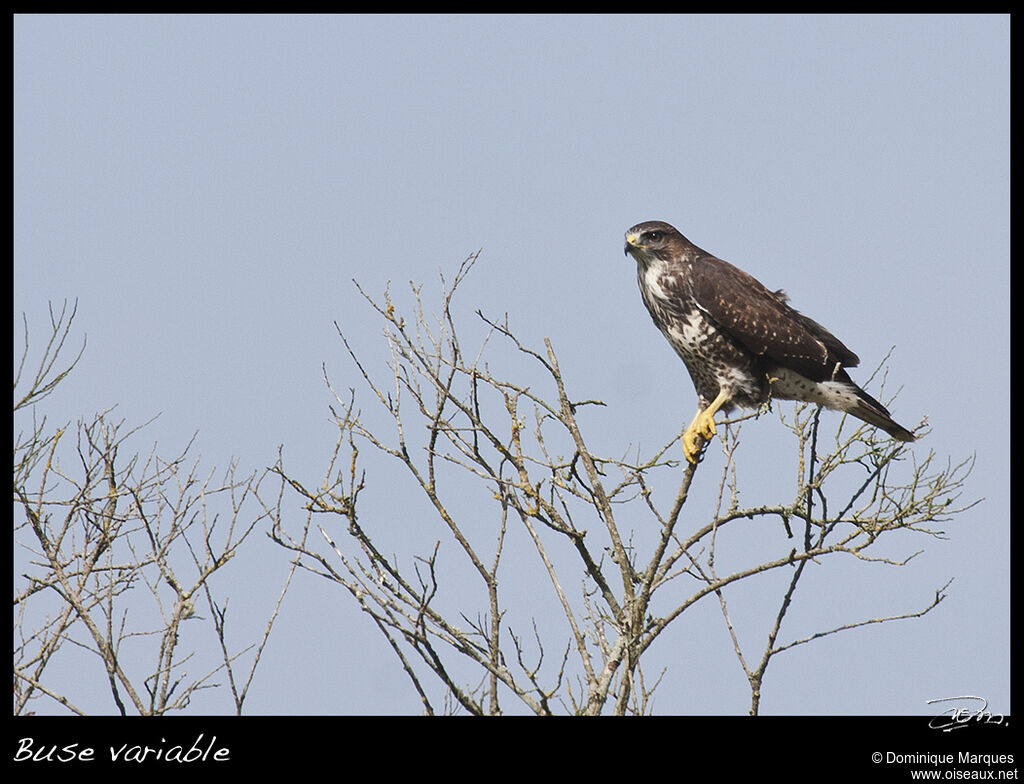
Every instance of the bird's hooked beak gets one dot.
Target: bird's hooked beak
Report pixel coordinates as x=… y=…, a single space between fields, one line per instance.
x=631 y=240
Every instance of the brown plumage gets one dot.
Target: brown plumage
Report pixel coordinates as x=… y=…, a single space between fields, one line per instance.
x=742 y=343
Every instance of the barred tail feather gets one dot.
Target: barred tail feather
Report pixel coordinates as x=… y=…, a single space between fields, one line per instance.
x=840 y=394
x=874 y=413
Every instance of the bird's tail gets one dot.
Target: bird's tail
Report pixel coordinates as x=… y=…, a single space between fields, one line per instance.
x=874 y=413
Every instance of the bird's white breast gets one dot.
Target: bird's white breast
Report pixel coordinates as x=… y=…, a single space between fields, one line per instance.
x=652 y=282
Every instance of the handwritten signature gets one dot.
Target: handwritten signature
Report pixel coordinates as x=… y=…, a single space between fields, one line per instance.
x=957 y=716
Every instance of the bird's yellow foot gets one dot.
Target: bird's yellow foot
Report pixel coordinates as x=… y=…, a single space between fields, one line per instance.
x=702 y=427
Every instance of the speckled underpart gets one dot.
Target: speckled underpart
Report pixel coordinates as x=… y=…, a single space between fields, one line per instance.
x=714 y=359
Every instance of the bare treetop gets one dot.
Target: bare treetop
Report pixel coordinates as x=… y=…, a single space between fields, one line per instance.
x=458 y=420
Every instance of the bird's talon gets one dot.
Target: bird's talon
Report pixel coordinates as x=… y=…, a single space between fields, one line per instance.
x=707 y=427
x=692 y=444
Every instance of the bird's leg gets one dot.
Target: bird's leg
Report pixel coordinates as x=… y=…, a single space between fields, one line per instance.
x=702 y=426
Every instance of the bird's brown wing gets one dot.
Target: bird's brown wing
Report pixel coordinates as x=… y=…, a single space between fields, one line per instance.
x=762 y=322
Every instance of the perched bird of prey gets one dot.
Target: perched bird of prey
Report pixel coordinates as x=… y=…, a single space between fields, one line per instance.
x=742 y=343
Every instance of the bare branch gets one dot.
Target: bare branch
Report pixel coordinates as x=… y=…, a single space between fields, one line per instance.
x=458 y=425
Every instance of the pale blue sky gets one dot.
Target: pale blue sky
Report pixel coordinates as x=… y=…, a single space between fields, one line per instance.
x=207 y=187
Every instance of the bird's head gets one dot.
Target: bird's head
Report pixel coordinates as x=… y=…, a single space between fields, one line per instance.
x=653 y=240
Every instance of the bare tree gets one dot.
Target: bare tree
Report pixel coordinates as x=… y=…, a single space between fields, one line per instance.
x=119 y=554
x=459 y=428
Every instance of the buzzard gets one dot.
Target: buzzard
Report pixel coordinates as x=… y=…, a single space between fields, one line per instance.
x=742 y=343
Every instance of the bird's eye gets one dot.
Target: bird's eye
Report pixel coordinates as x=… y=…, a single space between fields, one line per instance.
x=652 y=236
